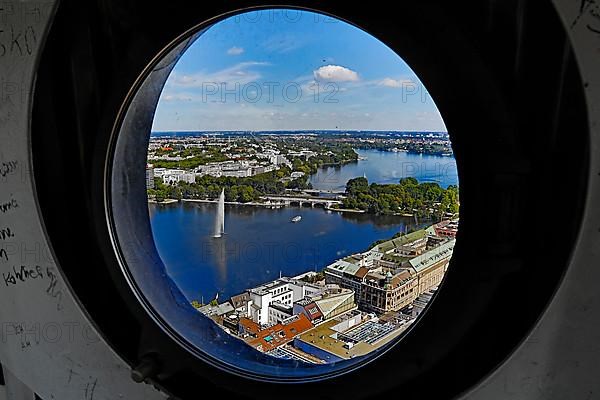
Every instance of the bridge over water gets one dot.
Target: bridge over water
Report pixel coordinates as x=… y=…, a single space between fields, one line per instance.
x=302 y=200
x=323 y=191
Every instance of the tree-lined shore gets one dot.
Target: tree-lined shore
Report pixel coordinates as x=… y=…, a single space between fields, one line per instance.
x=425 y=199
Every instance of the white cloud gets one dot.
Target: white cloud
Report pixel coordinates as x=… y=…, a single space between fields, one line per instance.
x=235 y=51
x=185 y=80
x=176 y=97
x=395 y=83
x=241 y=73
x=276 y=116
x=335 y=73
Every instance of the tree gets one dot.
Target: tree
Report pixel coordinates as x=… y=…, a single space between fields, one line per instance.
x=422 y=199
x=196 y=304
x=246 y=194
x=357 y=185
x=408 y=181
x=231 y=193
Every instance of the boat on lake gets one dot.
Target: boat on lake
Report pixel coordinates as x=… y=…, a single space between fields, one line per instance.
x=297 y=218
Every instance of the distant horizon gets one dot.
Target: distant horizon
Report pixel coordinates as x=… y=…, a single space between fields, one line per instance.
x=299 y=130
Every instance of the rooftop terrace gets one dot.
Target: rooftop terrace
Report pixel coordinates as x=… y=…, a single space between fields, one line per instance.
x=320 y=337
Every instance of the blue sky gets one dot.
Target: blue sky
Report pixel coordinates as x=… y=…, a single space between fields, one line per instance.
x=288 y=70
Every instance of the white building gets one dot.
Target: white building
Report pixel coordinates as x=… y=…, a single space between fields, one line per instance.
x=237 y=169
x=281 y=294
x=173 y=176
x=149 y=176
x=159 y=172
x=296 y=174
x=306 y=154
x=279 y=159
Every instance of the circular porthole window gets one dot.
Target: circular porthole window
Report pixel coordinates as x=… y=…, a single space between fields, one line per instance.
x=252 y=119
x=299 y=205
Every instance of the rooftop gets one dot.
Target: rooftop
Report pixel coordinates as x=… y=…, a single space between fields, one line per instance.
x=249 y=326
x=361 y=272
x=352 y=259
x=313 y=311
x=402 y=240
x=267 y=287
x=321 y=337
x=279 y=334
x=344 y=267
x=433 y=256
x=290 y=353
x=401 y=277
x=281 y=307
x=298 y=282
x=395 y=258
x=377 y=277
x=369 y=332
x=240 y=300
x=219 y=309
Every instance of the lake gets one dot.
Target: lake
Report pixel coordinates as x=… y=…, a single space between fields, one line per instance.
x=262 y=243
x=388 y=167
